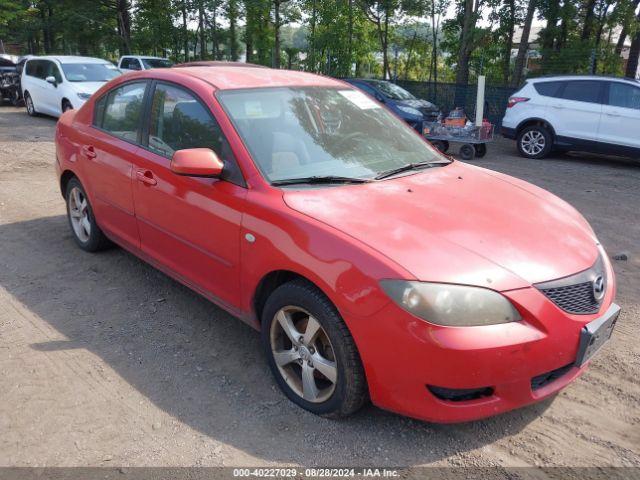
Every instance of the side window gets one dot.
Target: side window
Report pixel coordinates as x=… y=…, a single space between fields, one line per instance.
x=135 y=64
x=122 y=109
x=582 y=91
x=548 y=89
x=125 y=63
x=52 y=70
x=30 y=69
x=35 y=68
x=367 y=89
x=179 y=121
x=624 y=95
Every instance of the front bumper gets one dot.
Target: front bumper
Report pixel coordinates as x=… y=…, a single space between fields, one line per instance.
x=520 y=362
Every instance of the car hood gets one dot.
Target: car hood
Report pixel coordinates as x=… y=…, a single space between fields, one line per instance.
x=418 y=103
x=87 y=87
x=459 y=224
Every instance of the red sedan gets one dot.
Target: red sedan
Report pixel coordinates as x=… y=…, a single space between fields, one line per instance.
x=374 y=266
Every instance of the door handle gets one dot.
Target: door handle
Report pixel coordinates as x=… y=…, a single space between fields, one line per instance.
x=88 y=151
x=613 y=114
x=558 y=107
x=146 y=177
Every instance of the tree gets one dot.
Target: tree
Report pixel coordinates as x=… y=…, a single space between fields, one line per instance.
x=380 y=13
x=634 y=51
x=524 y=44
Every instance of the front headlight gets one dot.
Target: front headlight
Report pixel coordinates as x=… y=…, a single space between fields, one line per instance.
x=410 y=110
x=451 y=305
x=84 y=96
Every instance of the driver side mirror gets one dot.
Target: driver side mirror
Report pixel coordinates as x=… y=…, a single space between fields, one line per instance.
x=52 y=80
x=196 y=162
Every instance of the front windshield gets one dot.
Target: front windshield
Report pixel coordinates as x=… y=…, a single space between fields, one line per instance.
x=156 y=63
x=301 y=132
x=89 y=72
x=391 y=90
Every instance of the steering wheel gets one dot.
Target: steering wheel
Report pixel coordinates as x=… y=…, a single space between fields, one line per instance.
x=340 y=143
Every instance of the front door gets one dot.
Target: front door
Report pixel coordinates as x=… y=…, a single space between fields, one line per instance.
x=577 y=114
x=620 y=123
x=190 y=225
x=108 y=149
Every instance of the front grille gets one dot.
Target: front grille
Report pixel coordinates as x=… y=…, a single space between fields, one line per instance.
x=577 y=293
x=429 y=114
x=576 y=298
x=548 y=377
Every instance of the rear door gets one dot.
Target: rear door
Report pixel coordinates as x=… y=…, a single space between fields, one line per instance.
x=108 y=149
x=51 y=100
x=620 y=123
x=34 y=79
x=578 y=110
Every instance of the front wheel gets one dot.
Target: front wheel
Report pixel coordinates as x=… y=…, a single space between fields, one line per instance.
x=311 y=352
x=66 y=105
x=28 y=101
x=467 y=152
x=534 y=142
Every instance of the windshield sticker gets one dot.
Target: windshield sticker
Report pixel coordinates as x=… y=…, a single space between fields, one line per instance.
x=359 y=99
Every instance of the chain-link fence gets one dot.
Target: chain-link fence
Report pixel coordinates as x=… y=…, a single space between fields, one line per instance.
x=448 y=96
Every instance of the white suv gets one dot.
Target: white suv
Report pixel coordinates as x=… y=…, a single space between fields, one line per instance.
x=585 y=113
x=137 y=62
x=55 y=84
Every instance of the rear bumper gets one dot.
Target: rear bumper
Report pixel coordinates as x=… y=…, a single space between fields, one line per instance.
x=511 y=365
x=508 y=132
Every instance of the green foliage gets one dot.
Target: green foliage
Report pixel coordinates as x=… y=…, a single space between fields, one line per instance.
x=415 y=39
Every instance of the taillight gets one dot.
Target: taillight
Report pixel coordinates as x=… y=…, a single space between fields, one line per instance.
x=514 y=100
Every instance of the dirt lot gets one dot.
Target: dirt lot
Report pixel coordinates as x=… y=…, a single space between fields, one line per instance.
x=106 y=361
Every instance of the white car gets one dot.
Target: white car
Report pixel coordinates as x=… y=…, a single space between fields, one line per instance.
x=137 y=62
x=55 y=84
x=583 y=113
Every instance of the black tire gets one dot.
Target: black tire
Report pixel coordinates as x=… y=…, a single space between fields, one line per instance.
x=534 y=134
x=16 y=101
x=350 y=390
x=481 y=149
x=66 y=105
x=28 y=102
x=441 y=145
x=95 y=240
x=467 y=152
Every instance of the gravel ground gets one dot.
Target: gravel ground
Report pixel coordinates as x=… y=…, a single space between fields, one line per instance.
x=104 y=361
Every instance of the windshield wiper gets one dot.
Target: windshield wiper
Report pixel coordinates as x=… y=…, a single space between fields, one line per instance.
x=317 y=179
x=406 y=168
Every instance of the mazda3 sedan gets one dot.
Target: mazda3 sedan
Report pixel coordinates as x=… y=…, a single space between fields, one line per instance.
x=373 y=266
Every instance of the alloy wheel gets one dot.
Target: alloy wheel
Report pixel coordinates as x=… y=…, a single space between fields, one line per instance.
x=79 y=214
x=303 y=354
x=533 y=142
x=30 y=108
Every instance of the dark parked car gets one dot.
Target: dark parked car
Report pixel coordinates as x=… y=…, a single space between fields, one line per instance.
x=10 y=80
x=412 y=110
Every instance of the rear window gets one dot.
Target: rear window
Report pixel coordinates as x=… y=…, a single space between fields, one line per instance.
x=582 y=91
x=548 y=89
x=624 y=95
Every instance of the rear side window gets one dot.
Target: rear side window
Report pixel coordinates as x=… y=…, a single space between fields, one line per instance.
x=36 y=68
x=624 y=95
x=121 y=109
x=583 y=91
x=548 y=89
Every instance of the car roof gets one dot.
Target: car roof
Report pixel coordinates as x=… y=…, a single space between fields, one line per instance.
x=70 y=59
x=143 y=56
x=582 y=77
x=229 y=78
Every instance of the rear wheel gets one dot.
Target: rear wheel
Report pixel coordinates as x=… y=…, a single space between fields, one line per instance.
x=84 y=228
x=534 y=142
x=311 y=352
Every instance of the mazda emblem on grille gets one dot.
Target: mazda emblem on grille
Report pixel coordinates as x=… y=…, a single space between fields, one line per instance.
x=598 y=287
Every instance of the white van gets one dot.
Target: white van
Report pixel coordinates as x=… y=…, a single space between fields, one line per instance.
x=137 y=62
x=55 y=84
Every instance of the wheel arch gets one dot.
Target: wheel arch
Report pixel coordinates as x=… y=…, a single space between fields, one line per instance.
x=270 y=282
x=65 y=177
x=536 y=121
